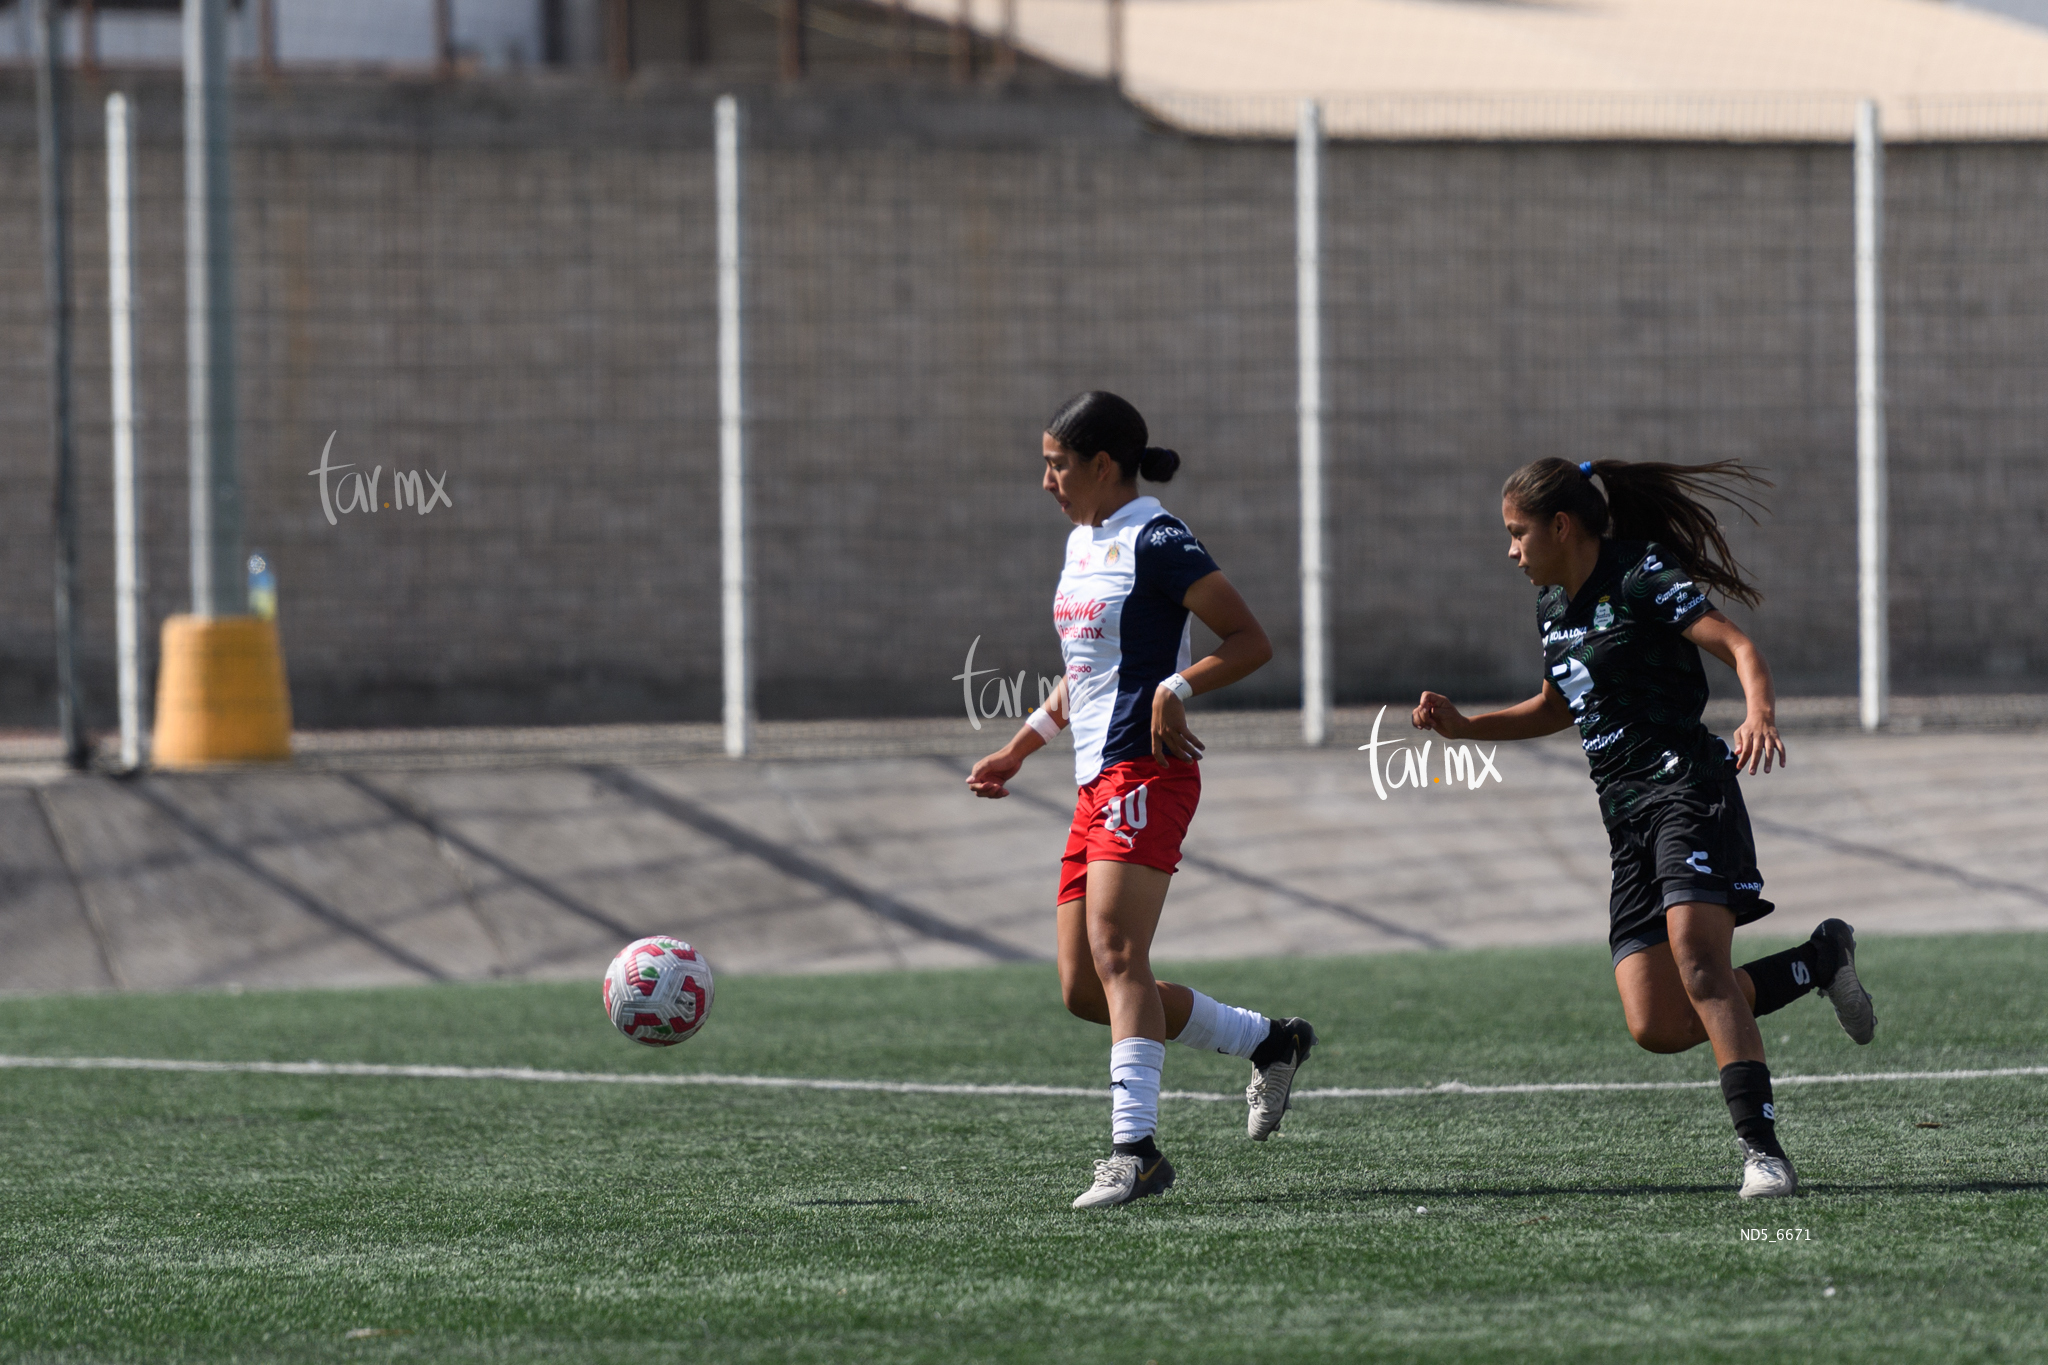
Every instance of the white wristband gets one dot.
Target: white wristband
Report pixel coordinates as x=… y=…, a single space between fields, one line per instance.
x=1041 y=720
x=1179 y=686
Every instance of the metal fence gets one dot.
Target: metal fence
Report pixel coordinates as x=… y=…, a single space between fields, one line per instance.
x=510 y=289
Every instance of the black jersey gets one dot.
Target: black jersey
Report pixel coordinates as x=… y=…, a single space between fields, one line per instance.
x=1632 y=679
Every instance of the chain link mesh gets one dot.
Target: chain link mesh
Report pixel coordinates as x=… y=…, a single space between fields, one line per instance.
x=510 y=285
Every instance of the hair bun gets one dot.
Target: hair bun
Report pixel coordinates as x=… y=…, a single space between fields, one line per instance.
x=1158 y=463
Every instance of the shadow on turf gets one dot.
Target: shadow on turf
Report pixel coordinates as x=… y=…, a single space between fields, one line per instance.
x=1936 y=1187
x=1359 y=1196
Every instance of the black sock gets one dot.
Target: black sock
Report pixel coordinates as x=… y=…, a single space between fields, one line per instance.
x=1747 y=1088
x=1145 y=1149
x=1278 y=1044
x=1783 y=977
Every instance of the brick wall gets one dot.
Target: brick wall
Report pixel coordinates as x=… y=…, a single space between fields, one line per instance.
x=512 y=285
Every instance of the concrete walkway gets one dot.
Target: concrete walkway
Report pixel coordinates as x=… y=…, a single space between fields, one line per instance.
x=421 y=856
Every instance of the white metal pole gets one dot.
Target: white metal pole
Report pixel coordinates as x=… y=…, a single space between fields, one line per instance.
x=1315 y=626
x=1872 y=591
x=128 y=573
x=735 y=583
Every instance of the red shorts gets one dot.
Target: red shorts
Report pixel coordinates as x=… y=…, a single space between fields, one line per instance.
x=1133 y=812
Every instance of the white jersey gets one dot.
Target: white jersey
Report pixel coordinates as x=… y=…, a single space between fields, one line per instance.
x=1123 y=628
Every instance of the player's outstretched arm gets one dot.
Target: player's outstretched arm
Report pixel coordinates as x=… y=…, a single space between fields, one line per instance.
x=1241 y=650
x=1756 y=739
x=1543 y=714
x=992 y=772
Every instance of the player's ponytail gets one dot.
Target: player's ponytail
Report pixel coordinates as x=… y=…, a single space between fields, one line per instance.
x=1093 y=422
x=1647 y=500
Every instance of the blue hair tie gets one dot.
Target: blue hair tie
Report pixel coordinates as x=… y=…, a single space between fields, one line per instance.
x=1586 y=469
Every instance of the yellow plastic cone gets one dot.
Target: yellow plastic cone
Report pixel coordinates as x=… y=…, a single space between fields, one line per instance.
x=220 y=695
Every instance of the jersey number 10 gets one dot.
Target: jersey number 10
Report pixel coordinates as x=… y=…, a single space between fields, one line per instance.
x=1126 y=811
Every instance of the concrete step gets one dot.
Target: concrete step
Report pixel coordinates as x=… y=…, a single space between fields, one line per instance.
x=399 y=856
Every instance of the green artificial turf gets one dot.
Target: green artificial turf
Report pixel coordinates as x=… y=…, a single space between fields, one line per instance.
x=235 y=1217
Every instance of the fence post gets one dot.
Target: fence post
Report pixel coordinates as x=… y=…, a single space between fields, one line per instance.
x=1872 y=593
x=266 y=38
x=444 y=39
x=734 y=582
x=53 y=134
x=962 y=43
x=1113 y=14
x=791 y=42
x=128 y=572
x=1315 y=632
x=219 y=582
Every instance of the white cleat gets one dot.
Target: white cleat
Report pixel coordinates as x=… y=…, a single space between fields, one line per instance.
x=1765 y=1176
x=1852 y=1003
x=1120 y=1179
x=1274 y=1082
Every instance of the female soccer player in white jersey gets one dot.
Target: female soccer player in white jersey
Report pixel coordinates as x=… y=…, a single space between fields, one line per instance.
x=1133 y=575
x=1623 y=611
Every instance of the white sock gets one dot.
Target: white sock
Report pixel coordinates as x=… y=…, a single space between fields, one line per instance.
x=1216 y=1027
x=1134 y=1066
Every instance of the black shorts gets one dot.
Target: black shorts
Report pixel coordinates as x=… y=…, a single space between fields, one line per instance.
x=1690 y=845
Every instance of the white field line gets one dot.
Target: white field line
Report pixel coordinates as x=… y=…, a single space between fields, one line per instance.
x=517 y=1073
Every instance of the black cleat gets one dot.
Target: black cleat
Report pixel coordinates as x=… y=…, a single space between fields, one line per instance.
x=1843 y=990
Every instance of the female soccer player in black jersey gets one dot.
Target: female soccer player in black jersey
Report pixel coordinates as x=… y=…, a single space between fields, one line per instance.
x=1623 y=612
x=1133 y=576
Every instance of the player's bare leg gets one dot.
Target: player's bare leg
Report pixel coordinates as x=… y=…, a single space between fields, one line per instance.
x=1660 y=1015
x=1081 y=988
x=1120 y=914
x=1276 y=1048
x=1702 y=937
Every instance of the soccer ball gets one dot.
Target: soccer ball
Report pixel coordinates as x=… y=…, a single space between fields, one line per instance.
x=658 y=990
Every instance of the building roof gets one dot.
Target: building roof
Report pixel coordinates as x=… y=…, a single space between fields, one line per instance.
x=1716 y=69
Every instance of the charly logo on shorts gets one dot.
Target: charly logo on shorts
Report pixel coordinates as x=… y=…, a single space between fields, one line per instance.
x=1408 y=767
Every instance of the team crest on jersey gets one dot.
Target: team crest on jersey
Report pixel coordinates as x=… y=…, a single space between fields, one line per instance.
x=1603 y=615
x=1112 y=554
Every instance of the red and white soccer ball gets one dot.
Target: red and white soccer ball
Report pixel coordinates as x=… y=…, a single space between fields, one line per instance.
x=658 y=990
